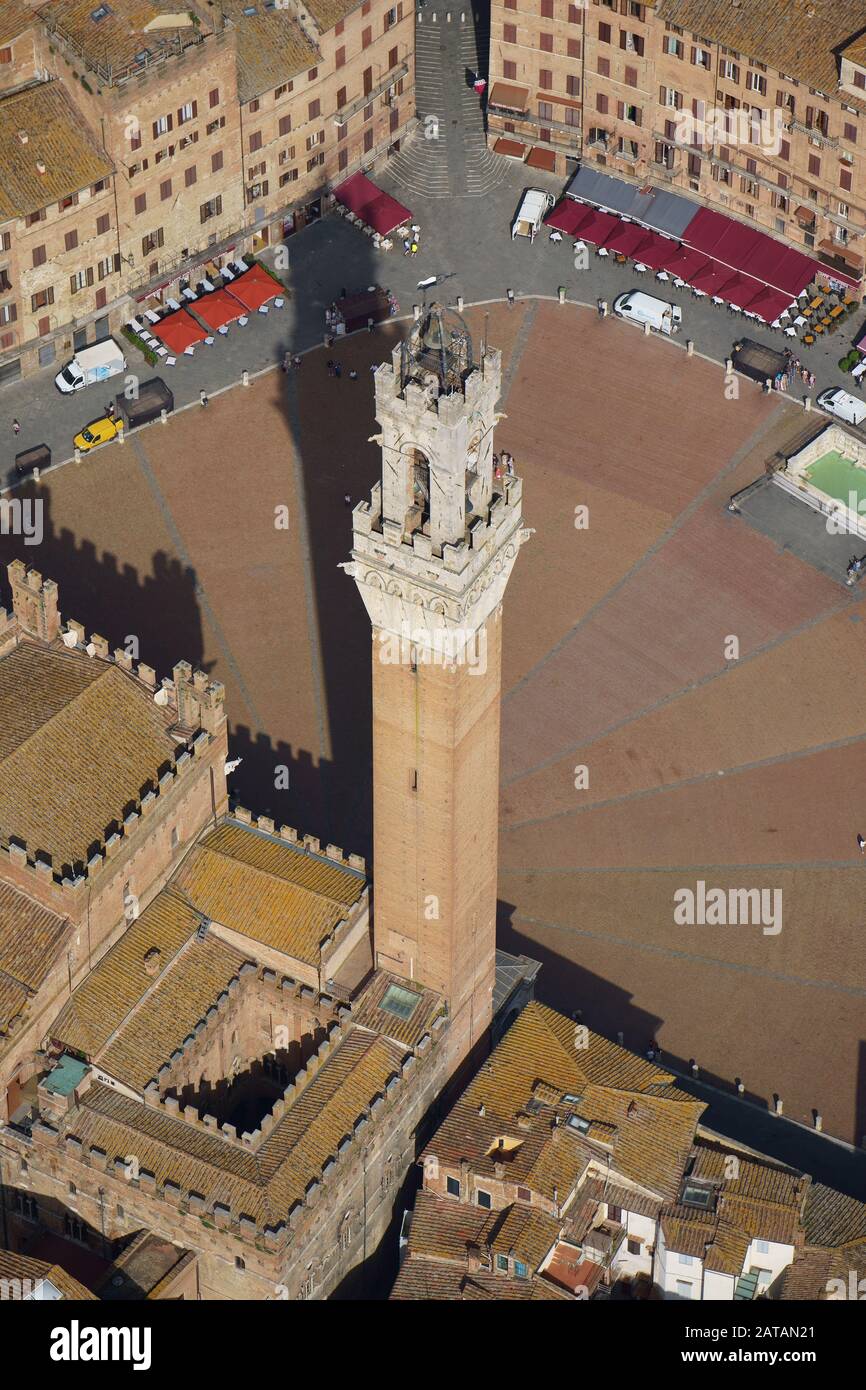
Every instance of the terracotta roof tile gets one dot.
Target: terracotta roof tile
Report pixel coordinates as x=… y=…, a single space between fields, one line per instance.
x=57 y=138
x=25 y=1273
x=80 y=741
x=114 y=987
x=272 y=47
x=799 y=37
x=269 y=891
x=833 y=1219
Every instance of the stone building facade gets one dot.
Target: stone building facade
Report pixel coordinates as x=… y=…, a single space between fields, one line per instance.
x=766 y=123
x=173 y=140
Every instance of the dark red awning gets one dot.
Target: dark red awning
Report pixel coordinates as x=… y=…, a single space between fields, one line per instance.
x=379 y=210
x=754 y=253
x=569 y=217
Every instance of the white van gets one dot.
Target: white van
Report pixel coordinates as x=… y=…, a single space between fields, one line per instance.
x=838 y=402
x=95 y=363
x=530 y=215
x=644 y=308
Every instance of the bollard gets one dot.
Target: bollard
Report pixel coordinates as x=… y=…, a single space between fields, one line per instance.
x=695 y=1070
x=448 y=17
x=819 y=1123
x=777 y=1105
x=509 y=295
x=77 y=455
x=620 y=1037
x=163 y=416
x=245 y=379
x=807 y=403
x=36 y=473
x=690 y=348
x=120 y=436
x=416 y=312
x=740 y=1087
x=561 y=293
x=460 y=303
x=729 y=366
x=646 y=330
x=768 y=384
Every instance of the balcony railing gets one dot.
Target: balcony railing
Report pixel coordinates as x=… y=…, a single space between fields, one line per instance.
x=345 y=113
x=815 y=133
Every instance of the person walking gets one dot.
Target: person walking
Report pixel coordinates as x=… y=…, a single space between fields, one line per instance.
x=16 y=428
x=286 y=361
x=202 y=395
x=330 y=366
x=353 y=375
x=413 y=249
x=348 y=499
x=861 y=844
x=297 y=362
x=407 y=246
x=338 y=370
x=602 y=308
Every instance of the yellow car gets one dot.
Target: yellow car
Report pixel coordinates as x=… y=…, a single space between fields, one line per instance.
x=98 y=432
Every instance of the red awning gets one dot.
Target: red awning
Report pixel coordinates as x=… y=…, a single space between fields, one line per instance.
x=656 y=251
x=742 y=290
x=686 y=263
x=599 y=227
x=569 y=217
x=512 y=149
x=218 y=309
x=627 y=239
x=541 y=159
x=753 y=253
x=254 y=288
x=178 y=331
x=379 y=210
x=712 y=278
x=769 y=304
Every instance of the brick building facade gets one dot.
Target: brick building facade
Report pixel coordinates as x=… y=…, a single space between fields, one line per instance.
x=155 y=149
x=766 y=122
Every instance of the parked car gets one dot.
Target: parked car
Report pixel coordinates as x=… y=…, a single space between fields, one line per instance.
x=95 y=363
x=838 y=402
x=645 y=308
x=98 y=432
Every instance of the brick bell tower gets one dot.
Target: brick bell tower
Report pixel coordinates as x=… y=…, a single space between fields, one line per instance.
x=433 y=550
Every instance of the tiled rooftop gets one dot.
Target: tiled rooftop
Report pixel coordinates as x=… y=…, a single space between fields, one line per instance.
x=263 y=1184
x=80 y=740
x=537 y=1075
x=799 y=37
x=57 y=139
x=272 y=47
x=267 y=890
x=115 y=34
x=15 y=17
x=30 y=939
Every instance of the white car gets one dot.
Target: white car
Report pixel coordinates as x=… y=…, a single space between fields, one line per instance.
x=838 y=402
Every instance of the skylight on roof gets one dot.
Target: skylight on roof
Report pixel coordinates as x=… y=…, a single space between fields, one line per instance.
x=400 y=1002
x=579 y=1123
x=569 y=1099
x=698 y=1195
x=101 y=13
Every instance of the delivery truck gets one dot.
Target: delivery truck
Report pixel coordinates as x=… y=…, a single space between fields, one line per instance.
x=91 y=364
x=645 y=308
x=531 y=213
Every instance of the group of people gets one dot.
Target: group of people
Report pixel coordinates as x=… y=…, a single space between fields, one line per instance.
x=784 y=380
x=411 y=244
x=335 y=369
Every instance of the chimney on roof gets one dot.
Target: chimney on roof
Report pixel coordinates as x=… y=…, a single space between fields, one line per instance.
x=632 y=1109
x=40 y=166
x=23 y=136
x=151 y=961
x=481 y=1110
